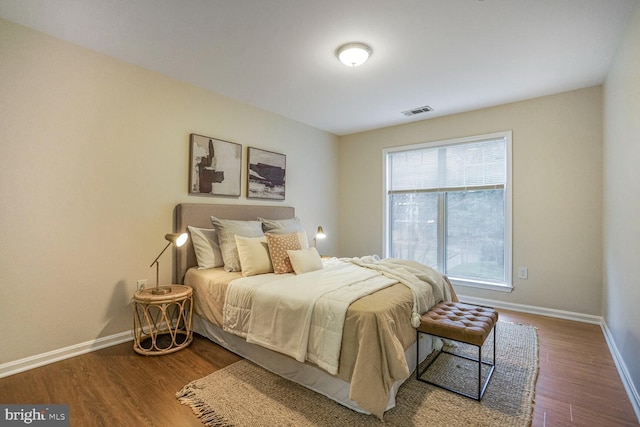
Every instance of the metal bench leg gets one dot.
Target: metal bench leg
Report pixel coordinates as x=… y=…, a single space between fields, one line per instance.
x=481 y=388
x=480 y=372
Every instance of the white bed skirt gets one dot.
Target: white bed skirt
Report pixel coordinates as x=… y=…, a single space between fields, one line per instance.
x=305 y=374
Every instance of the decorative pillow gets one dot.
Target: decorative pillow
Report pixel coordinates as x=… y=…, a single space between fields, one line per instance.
x=281 y=226
x=254 y=255
x=227 y=230
x=279 y=244
x=305 y=260
x=206 y=247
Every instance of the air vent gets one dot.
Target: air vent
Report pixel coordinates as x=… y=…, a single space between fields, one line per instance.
x=418 y=110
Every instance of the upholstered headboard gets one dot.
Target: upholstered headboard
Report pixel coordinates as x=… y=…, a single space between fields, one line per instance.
x=199 y=215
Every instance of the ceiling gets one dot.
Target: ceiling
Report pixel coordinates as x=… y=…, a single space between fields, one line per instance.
x=279 y=55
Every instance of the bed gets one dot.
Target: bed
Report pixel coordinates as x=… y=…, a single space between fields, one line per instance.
x=377 y=348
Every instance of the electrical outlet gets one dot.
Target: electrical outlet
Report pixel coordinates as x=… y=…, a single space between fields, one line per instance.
x=141 y=284
x=523 y=273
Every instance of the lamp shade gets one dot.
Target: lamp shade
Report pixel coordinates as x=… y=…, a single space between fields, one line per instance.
x=178 y=239
x=320 y=233
x=353 y=54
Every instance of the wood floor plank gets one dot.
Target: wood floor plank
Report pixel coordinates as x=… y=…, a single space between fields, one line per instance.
x=577 y=385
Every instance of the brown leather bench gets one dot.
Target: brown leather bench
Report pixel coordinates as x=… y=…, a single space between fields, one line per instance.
x=466 y=323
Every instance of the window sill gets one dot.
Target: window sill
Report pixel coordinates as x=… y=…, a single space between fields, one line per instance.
x=481 y=285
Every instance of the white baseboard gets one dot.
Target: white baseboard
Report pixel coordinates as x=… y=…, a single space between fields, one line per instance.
x=38 y=360
x=632 y=391
x=542 y=311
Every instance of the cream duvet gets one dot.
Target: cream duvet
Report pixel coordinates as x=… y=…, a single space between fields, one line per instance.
x=300 y=316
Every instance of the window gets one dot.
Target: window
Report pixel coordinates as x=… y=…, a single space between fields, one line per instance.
x=448 y=206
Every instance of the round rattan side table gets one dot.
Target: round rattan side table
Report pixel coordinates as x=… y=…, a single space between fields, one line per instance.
x=162 y=323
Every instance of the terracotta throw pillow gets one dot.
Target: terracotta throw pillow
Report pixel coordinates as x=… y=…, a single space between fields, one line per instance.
x=279 y=244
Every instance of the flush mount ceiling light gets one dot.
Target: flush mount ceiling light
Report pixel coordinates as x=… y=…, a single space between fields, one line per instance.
x=353 y=54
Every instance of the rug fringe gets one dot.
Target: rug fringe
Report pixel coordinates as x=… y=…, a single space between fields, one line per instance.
x=208 y=416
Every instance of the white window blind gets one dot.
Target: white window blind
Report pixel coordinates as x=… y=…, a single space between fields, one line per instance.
x=457 y=167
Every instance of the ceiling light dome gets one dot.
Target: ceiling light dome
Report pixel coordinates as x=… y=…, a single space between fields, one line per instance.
x=353 y=54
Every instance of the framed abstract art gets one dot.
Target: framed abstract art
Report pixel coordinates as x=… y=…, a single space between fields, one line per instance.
x=266 y=172
x=215 y=166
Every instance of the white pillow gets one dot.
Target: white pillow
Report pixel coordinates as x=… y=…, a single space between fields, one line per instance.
x=305 y=260
x=227 y=230
x=254 y=255
x=206 y=247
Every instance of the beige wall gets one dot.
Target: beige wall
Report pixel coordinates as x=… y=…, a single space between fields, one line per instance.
x=622 y=201
x=93 y=158
x=557 y=193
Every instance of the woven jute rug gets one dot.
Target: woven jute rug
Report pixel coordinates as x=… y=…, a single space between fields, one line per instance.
x=243 y=394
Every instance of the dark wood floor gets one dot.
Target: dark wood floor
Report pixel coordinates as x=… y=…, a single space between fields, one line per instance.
x=578 y=383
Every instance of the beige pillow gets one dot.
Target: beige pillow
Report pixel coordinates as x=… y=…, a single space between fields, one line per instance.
x=254 y=255
x=279 y=244
x=305 y=260
x=304 y=241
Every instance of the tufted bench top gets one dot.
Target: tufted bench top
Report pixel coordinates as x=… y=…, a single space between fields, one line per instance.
x=466 y=323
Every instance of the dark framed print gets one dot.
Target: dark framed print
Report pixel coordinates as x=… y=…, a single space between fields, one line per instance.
x=215 y=166
x=265 y=174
